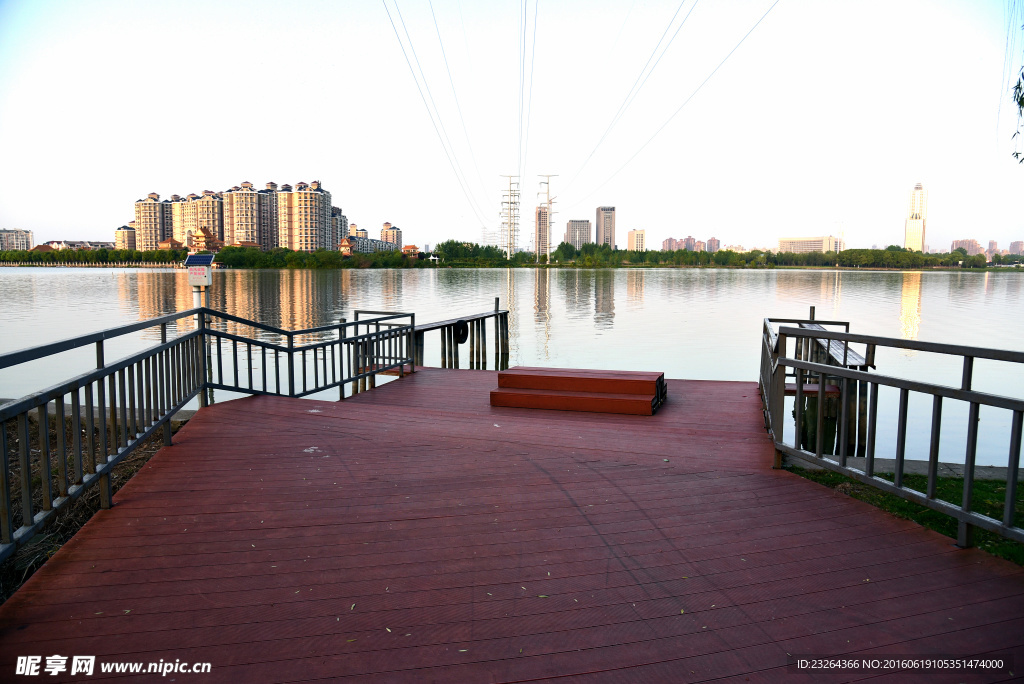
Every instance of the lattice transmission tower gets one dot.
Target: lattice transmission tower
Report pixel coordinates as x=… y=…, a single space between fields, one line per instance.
x=510 y=217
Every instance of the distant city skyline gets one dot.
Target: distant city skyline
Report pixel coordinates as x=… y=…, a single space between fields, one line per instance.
x=92 y=102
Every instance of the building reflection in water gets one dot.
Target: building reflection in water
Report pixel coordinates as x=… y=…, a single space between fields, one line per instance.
x=391 y=288
x=910 y=306
x=635 y=281
x=513 y=315
x=290 y=299
x=541 y=310
x=604 y=299
x=577 y=285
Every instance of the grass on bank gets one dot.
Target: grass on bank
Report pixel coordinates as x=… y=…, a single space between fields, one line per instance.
x=988 y=499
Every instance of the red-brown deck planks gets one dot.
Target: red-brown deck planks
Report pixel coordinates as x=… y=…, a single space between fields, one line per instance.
x=415 y=533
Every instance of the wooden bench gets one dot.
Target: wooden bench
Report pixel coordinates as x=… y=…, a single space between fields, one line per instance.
x=573 y=389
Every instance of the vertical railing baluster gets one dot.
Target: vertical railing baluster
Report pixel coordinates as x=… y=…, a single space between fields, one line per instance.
x=1013 y=470
x=61 y=444
x=277 y=372
x=901 y=437
x=133 y=425
x=819 y=422
x=123 y=390
x=483 y=343
x=444 y=347
x=90 y=429
x=26 y=470
x=965 y=531
x=76 y=440
x=263 y=368
x=234 y=361
x=869 y=463
x=798 y=405
x=112 y=422
x=303 y=370
x=316 y=368
x=844 y=420
x=6 y=509
x=220 y=362
x=342 y=353
x=45 y=471
x=248 y=360
x=933 y=447
x=291 y=365
x=59 y=419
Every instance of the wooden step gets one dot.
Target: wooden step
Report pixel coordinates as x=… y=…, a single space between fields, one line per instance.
x=811 y=389
x=567 y=400
x=583 y=380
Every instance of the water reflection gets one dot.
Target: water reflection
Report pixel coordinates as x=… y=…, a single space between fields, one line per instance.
x=577 y=288
x=635 y=286
x=910 y=306
x=541 y=312
x=604 y=299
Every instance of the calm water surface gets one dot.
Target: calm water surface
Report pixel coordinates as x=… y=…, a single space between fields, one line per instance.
x=688 y=323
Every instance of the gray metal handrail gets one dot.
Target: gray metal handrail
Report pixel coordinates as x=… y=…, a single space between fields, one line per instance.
x=58 y=442
x=774 y=364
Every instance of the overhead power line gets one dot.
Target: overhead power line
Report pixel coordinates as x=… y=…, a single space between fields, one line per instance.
x=458 y=106
x=685 y=102
x=438 y=125
x=639 y=82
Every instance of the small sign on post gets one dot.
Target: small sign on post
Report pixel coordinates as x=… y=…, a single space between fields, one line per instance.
x=200 y=269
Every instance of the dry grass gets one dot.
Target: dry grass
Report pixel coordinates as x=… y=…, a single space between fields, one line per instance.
x=18 y=568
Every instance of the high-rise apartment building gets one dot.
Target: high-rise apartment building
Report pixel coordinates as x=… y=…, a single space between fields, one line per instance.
x=971 y=246
x=577 y=233
x=304 y=218
x=152 y=222
x=689 y=243
x=124 y=238
x=714 y=245
x=16 y=239
x=542 y=233
x=669 y=245
x=246 y=219
x=300 y=219
x=1016 y=247
x=391 y=234
x=700 y=246
x=637 y=240
x=340 y=222
x=917 y=218
x=605 y=226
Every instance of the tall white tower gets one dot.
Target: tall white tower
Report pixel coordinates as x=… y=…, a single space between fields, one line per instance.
x=917 y=218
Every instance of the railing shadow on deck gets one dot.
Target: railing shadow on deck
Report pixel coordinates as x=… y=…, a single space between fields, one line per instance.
x=86 y=426
x=832 y=381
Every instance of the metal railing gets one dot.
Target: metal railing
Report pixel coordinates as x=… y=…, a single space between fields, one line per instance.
x=99 y=417
x=471 y=329
x=807 y=443
x=348 y=353
x=57 y=443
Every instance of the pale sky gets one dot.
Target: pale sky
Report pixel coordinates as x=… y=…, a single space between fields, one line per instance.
x=821 y=121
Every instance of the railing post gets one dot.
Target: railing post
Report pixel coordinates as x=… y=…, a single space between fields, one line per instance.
x=444 y=347
x=104 y=485
x=965 y=531
x=341 y=359
x=291 y=365
x=412 y=344
x=203 y=402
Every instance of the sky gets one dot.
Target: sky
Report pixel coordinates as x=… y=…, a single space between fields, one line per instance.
x=747 y=120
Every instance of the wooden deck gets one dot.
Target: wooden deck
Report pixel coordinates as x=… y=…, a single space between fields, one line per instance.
x=416 y=534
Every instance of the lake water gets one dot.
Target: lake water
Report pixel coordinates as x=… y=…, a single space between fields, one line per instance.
x=687 y=323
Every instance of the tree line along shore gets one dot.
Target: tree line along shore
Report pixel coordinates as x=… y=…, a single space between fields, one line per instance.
x=456 y=254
